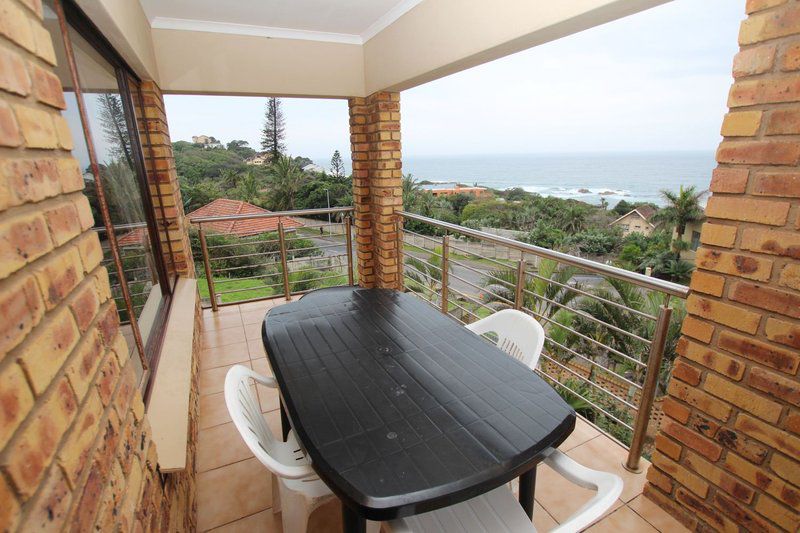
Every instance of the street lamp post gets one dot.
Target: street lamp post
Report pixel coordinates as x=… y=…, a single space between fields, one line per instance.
x=328 y=196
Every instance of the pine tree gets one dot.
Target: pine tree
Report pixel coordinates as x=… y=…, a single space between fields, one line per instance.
x=115 y=129
x=273 y=134
x=337 y=165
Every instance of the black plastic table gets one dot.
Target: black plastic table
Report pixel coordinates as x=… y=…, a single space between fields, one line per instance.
x=401 y=409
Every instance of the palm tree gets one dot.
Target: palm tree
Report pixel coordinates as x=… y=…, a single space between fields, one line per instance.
x=573 y=218
x=425 y=277
x=285 y=180
x=540 y=295
x=249 y=188
x=410 y=190
x=682 y=208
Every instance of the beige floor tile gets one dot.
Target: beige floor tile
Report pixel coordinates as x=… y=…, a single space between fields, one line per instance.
x=263 y=522
x=583 y=432
x=216 y=322
x=622 y=520
x=655 y=515
x=222 y=337
x=327 y=518
x=261 y=365
x=603 y=454
x=253 y=331
x=219 y=446
x=256 y=349
x=559 y=497
x=542 y=520
x=213 y=379
x=261 y=306
x=226 y=310
x=213 y=410
x=232 y=492
x=224 y=355
x=253 y=317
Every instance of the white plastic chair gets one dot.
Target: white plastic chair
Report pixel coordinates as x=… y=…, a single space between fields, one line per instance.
x=499 y=511
x=519 y=334
x=296 y=489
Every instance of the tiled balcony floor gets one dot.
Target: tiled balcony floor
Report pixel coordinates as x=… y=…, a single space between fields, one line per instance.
x=234 y=490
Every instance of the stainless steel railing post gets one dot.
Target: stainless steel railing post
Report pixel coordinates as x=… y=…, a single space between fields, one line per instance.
x=284 y=265
x=445 y=265
x=349 y=245
x=518 y=296
x=649 y=388
x=212 y=293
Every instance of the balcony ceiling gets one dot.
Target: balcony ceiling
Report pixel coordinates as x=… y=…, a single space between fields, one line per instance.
x=345 y=21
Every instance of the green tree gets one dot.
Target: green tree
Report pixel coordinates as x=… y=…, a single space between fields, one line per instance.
x=681 y=209
x=425 y=276
x=248 y=188
x=410 y=189
x=115 y=128
x=241 y=147
x=274 y=131
x=337 y=165
x=285 y=179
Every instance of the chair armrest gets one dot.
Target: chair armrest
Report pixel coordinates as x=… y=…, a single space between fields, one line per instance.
x=607 y=485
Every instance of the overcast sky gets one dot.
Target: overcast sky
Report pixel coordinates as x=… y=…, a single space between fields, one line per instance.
x=656 y=81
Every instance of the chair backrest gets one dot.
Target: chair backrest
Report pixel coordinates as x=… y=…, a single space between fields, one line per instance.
x=518 y=334
x=245 y=411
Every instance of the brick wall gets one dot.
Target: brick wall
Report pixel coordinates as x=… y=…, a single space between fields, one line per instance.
x=75 y=448
x=728 y=455
x=163 y=178
x=377 y=189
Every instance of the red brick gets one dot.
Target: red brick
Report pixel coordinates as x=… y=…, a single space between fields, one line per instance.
x=741 y=124
x=777 y=386
x=719 y=477
x=790 y=276
x=705 y=511
x=783 y=332
x=23 y=239
x=681 y=474
x=785 y=185
x=753 y=6
x=21 y=308
x=9 y=128
x=769 y=212
x=9 y=507
x=107 y=380
x=738 y=442
x=773 y=242
x=700 y=400
x=687 y=437
x=770 y=25
x=759 y=152
x=754 y=61
x=756 y=350
x=37 y=127
x=70 y=174
x=743 y=398
x=47 y=87
x=703 y=281
x=675 y=410
x=723 y=313
x=764 y=297
x=686 y=373
x=743 y=516
x=668 y=447
x=784 y=121
x=13 y=76
x=771 y=509
x=791 y=57
x=785 y=467
x=712 y=359
x=31 y=180
x=77 y=448
x=108 y=323
x=35 y=448
x=744 y=266
x=51 y=507
x=729 y=180
x=769 y=435
x=16 y=401
x=718 y=235
x=703 y=425
x=63 y=223
x=697 y=329
x=46 y=349
x=58 y=275
x=85 y=511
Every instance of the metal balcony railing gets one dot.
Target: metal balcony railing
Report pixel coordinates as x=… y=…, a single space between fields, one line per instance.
x=284 y=262
x=599 y=348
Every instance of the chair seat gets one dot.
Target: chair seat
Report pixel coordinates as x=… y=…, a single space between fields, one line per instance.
x=493 y=512
x=311 y=486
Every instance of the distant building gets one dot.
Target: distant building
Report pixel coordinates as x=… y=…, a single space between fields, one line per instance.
x=691 y=236
x=240 y=228
x=261 y=158
x=448 y=189
x=636 y=221
x=206 y=141
x=313 y=168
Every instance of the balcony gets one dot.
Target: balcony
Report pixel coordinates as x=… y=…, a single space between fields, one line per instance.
x=234 y=491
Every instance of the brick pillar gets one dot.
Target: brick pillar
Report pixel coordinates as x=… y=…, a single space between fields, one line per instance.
x=728 y=452
x=163 y=179
x=75 y=445
x=377 y=189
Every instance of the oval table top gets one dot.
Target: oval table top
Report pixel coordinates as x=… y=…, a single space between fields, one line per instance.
x=401 y=409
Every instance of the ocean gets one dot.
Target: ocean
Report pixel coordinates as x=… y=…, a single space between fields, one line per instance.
x=635 y=176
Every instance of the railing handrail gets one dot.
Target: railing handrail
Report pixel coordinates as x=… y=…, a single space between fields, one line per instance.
x=668 y=287
x=273 y=214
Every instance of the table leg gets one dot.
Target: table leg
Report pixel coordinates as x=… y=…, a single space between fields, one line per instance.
x=527 y=485
x=285 y=425
x=352 y=522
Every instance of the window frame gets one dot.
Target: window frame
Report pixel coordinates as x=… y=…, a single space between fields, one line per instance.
x=71 y=16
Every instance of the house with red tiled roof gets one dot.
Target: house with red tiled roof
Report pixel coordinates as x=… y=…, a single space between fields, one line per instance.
x=240 y=227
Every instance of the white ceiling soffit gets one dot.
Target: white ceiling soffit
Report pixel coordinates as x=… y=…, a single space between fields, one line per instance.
x=375 y=25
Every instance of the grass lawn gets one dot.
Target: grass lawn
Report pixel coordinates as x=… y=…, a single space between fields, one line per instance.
x=257 y=288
